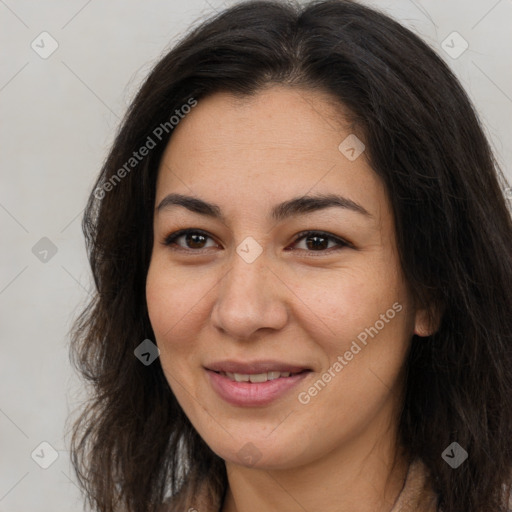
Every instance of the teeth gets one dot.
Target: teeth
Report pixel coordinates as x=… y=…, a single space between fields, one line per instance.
x=257 y=377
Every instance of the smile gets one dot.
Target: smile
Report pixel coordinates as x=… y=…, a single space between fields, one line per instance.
x=257 y=377
x=253 y=390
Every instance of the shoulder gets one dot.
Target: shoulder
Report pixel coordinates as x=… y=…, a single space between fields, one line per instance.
x=508 y=489
x=188 y=501
x=417 y=494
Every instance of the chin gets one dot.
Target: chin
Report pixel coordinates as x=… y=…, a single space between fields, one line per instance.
x=261 y=452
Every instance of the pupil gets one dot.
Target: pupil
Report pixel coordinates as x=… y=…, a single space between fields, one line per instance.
x=316 y=244
x=192 y=240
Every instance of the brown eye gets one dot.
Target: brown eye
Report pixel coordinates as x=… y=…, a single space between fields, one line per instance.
x=318 y=241
x=193 y=239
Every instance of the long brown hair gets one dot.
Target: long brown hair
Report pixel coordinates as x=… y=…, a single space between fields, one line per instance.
x=133 y=444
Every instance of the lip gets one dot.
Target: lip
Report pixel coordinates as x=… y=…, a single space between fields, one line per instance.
x=253 y=394
x=262 y=366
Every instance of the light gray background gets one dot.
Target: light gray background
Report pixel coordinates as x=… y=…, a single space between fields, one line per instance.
x=58 y=118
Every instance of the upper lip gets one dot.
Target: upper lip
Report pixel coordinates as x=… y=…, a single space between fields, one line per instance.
x=254 y=367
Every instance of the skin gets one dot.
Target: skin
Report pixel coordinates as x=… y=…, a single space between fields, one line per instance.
x=294 y=302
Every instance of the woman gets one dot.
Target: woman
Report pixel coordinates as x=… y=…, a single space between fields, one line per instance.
x=302 y=253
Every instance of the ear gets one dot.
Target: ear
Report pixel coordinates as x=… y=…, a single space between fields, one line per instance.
x=427 y=322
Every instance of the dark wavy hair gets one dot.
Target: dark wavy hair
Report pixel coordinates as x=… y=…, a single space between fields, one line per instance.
x=132 y=444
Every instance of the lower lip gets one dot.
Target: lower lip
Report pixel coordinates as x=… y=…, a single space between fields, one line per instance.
x=247 y=394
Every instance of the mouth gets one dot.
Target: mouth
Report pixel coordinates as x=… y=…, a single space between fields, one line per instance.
x=258 y=377
x=271 y=368
x=255 y=384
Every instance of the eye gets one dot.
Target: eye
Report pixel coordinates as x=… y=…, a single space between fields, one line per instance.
x=317 y=241
x=195 y=240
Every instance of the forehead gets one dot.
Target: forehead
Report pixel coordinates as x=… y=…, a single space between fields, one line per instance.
x=282 y=119
x=281 y=142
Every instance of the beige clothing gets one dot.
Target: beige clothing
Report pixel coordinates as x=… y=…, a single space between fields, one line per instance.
x=416 y=496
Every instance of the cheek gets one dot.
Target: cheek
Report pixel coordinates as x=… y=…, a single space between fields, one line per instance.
x=159 y=299
x=173 y=296
x=179 y=302
x=346 y=301
x=364 y=359
x=372 y=327
x=369 y=328
x=172 y=301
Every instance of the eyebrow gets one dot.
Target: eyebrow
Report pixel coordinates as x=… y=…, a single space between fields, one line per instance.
x=296 y=206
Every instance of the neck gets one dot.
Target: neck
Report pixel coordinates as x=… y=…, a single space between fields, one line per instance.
x=366 y=475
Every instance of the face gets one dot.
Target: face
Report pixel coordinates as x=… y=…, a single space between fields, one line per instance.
x=246 y=285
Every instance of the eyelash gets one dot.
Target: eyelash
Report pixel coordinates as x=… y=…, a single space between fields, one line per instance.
x=171 y=238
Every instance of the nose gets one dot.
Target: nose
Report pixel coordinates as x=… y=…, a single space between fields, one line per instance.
x=250 y=297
